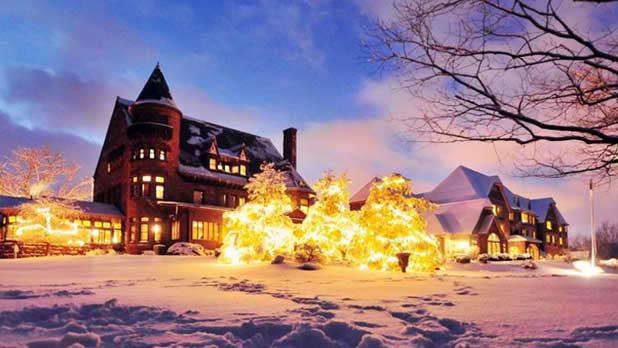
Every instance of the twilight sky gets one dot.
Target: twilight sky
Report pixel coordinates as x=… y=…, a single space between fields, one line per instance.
x=260 y=66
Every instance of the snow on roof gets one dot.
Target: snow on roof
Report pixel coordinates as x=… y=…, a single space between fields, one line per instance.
x=461 y=185
x=541 y=207
x=363 y=193
x=458 y=217
x=10 y=202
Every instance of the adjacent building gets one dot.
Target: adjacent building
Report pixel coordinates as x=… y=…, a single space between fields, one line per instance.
x=173 y=176
x=477 y=210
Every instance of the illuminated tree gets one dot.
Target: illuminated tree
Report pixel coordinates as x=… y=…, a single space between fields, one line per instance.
x=260 y=229
x=48 y=179
x=393 y=220
x=38 y=172
x=330 y=226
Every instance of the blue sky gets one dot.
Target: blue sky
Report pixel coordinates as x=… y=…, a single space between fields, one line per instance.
x=261 y=66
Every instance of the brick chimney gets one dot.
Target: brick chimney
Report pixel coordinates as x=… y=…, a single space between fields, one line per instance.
x=289 y=145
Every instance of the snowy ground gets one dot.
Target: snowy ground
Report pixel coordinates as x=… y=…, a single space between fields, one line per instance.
x=176 y=301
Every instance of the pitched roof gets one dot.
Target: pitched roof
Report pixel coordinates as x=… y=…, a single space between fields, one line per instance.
x=363 y=193
x=156 y=89
x=461 y=185
x=457 y=217
x=95 y=208
x=541 y=207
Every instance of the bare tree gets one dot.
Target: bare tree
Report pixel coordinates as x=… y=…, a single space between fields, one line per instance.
x=40 y=172
x=509 y=71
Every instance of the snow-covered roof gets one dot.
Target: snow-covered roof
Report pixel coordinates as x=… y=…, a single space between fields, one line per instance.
x=362 y=194
x=541 y=207
x=462 y=184
x=458 y=217
x=95 y=208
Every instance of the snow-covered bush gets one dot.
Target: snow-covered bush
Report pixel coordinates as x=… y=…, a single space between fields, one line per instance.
x=100 y=252
x=159 y=249
x=187 y=249
x=529 y=265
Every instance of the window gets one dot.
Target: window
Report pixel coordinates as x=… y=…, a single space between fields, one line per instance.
x=146 y=178
x=212 y=164
x=159 y=179
x=243 y=170
x=156 y=231
x=198 y=197
x=560 y=229
x=304 y=205
x=142 y=153
x=159 y=192
x=561 y=241
x=241 y=200
x=162 y=155
x=548 y=224
x=226 y=168
x=145 y=189
x=224 y=199
x=547 y=239
x=493 y=244
x=205 y=230
x=234 y=169
x=109 y=167
x=511 y=216
x=144 y=229
x=234 y=201
x=151 y=154
x=176 y=230
x=525 y=218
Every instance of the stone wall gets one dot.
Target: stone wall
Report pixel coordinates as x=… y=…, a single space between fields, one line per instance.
x=7 y=249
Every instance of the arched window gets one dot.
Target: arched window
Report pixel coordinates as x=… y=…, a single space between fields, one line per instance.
x=493 y=244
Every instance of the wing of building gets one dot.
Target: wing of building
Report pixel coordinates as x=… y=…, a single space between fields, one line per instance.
x=173 y=176
x=478 y=210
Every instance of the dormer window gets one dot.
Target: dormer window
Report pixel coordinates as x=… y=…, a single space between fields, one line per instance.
x=142 y=153
x=212 y=164
x=525 y=218
x=226 y=168
x=235 y=169
x=548 y=224
x=151 y=154
x=243 y=170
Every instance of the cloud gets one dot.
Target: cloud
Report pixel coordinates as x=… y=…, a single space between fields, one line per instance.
x=61 y=100
x=74 y=148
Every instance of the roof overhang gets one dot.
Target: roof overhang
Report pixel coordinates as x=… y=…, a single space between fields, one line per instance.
x=193 y=205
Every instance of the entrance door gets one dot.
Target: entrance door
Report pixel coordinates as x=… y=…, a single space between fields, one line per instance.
x=493 y=244
x=533 y=250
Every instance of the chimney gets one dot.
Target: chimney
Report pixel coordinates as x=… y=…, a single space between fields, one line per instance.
x=289 y=145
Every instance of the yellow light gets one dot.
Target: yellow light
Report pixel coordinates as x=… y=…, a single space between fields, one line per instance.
x=94 y=233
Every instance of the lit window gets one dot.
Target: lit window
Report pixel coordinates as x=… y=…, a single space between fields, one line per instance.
x=560 y=228
x=98 y=224
x=12 y=219
x=198 y=197
x=561 y=241
x=117 y=226
x=548 y=224
x=86 y=223
x=151 y=154
x=176 y=230
x=107 y=225
x=212 y=164
x=524 y=218
x=235 y=169
x=143 y=232
x=156 y=230
x=135 y=179
x=547 y=239
x=243 y=170
x=162 y=155
x=219 y=166
x=159 y=179
x=511 y=216
x=227 y=168
x=241 y=200
x=146 y=178
x=109 y=167
x=142 y=153
x=159 y=191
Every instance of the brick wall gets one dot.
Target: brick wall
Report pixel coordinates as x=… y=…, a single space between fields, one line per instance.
x=44 y=249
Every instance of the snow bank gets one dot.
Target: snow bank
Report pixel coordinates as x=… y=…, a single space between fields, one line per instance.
x=188 y=249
